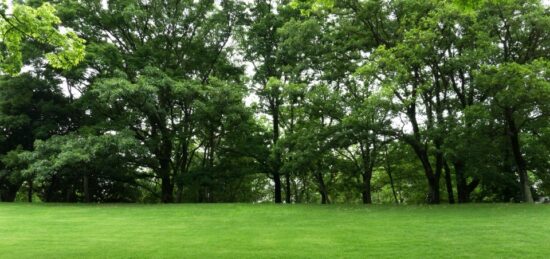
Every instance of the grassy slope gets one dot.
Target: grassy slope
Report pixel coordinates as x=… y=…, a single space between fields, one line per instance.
x=269 y=231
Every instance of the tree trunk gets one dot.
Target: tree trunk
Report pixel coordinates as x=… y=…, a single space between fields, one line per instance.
x=471 y=187
x=277 y=162
x=167 y=187
x=388 y=170
x=305 y=190
x=308 y=197
x=460 y=183
x=368 y=159
x=420 y=149
x=449 y=183
x=433 y=191
x=433 y=179
x=288 y=197
x=322 y=189
x=86 y=188
x=278 y=194
x=435 y=194
x=30 y=190
x=367 y=197
x=520 y=161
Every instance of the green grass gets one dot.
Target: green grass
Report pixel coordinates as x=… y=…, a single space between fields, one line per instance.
x=270 y=231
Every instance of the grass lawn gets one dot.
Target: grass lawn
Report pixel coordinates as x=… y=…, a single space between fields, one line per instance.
x=270 y=231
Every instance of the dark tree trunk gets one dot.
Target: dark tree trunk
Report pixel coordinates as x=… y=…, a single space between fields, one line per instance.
x=322 y=189
x=388 y=170
x=438 y=171
x=433 y=179
x=433 y=191
x=461 y=186
x=182 y=163
x=277 y=162
x=449 y=184
x=30 y=190
x=324 y=198
x=86 y=188
x=471 y=187
x=297 y=193
x=421 y=150
x=167 y=187
x=167 y=190
x=368 y=159
x=288 y=197
x=367 y=197
x=521 y=165
x=308 y=198
x=278 y=194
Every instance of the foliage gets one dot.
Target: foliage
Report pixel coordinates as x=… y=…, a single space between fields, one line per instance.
x=352 y=101
x=41 y=25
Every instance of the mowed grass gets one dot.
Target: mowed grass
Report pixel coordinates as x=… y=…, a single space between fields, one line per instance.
x=271 y=231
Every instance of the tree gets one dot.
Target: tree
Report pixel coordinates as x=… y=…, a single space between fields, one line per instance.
x=185 y=45
x=358 y=101
x=261 y=45
x=24 y=24
x=519 y=96
x=77 y=167
x=30 y=109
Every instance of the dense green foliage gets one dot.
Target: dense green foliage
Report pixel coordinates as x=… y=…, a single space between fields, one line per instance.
x=39 y=26
x=268 y=231
x=303 y=101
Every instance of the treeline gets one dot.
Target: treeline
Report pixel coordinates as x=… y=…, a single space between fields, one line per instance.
x=298 y=101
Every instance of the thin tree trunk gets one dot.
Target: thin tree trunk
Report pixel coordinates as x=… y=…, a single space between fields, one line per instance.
x=296 y=190
x=288 y=197
x=438 y=172
x=367 y=167
x=449 y=184
x=388 y=170
x=86 y=187
x=30 y=190
x=461 y=186
x=277 y=162
x=305 y=190
x=278 y=194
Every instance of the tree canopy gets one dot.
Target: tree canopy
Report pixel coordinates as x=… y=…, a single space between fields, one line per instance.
x=352 y=101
